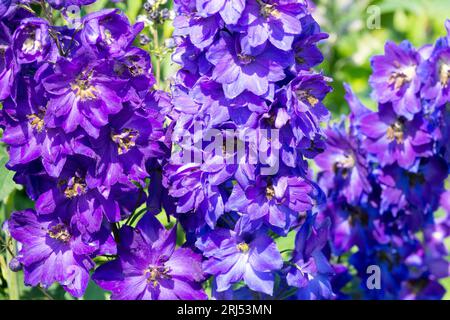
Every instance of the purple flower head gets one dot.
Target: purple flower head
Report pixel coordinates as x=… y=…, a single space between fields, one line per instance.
x=395 y=139
x=53 y=250
x=395 y=79
x=307 y=54
x=303 y=100
x=243 y=254
x=278 y=201
x=238 y=67
x=79 y=192
x=276 y=21
x=197 y=189
x=149 y=267
x=310 y=270
x=81 y=95
x=32 y=41
x=343 y=164
x=419 y=189
x=127 y=143
x=8 y=65
x=201 y=30
x=229 y=10
x=108 y=32
x=435 y=73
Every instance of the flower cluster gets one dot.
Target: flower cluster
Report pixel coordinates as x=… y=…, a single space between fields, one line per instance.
x=247 y=109
x=84 y=130
x=385 y=174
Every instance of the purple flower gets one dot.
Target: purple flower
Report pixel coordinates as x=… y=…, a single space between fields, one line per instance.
x=4 y=6
x=307 y=54
x=435 y=73
x=229 y=10
x=8 y=66
x=238 y=67
x=81 y=95
x=310 y=270
x=80 y=193
x=243 y=254
x=201 y=30
x=395 y=139
x=344 y=165
x=279 y=201
x=395 y=79
x=272 y=20
x=32 y=42
x=197 y=190
x=108 y=32
x=54 y=251
x=303 y=102
x=127 y=143
x=149 y=267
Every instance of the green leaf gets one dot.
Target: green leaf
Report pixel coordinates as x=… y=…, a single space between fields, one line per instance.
x=133 y=8
x=7 y=184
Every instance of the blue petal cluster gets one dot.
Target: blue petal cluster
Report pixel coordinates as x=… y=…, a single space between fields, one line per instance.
x=84 y=127
x=385 y=175
x=247 y=114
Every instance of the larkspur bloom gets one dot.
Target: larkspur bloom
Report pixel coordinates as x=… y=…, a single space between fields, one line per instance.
x=395 y=78
x=149 y=267
x=239 y=67
x=241 y=254
x=395 y=139
x=247 y=113
x=84 y=130
x=53 y=250
x=404 y=150
x=310 y=269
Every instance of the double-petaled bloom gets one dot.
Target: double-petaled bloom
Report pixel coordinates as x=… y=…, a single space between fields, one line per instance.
x=150 y=267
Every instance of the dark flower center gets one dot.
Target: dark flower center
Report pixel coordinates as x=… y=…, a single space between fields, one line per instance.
x=243 y=247
x=245 y=58
x=125 y=140
x=37 y=121
x=268 y=10
x=107 y=36
x=60 y=233
x=396 y=132
x=305 y=95
x=402 y=77
x=344 y=164
x=83 y=89
x=155 y=274
x=31 y=45
x=76 y=187
x=444 y=74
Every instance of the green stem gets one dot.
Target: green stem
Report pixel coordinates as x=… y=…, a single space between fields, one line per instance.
x=12 y=277
x=157 y=58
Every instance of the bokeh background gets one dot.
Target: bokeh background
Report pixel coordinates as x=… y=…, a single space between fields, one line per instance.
x=358 y=30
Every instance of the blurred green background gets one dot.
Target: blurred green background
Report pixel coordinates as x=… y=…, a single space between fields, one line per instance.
x=356 y=31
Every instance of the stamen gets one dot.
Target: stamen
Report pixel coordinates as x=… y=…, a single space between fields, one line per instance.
x=395 y=132
x=155 y=274
x=76 y=187
x=402 y=77
x=444 y=74
x=125 y=140
x=243 y=247
x=245 y=58
x=36 y=121
x=59 y=232
x=306 y=95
